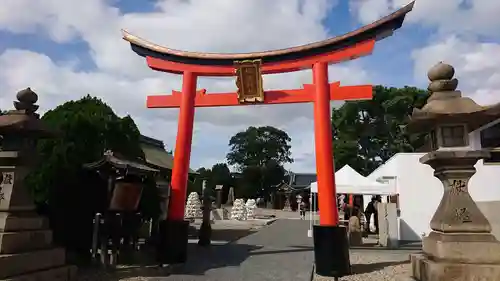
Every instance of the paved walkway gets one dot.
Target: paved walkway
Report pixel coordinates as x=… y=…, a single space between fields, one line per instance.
x=277 y=252
x=281 y=251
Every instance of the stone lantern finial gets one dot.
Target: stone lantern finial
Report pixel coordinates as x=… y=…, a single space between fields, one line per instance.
x=26 y=100
x=23 y=123
x=442 y=84
x=441 y=71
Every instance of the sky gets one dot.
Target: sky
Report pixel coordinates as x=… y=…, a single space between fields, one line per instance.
x=66 y=49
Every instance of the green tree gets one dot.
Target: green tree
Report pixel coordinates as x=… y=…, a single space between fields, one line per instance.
x=257 y=146
x=203 y=174
x=87 y=127
x=259 y=153
x=260 y=181
x=367 y=133
x=221 y=175
x=68 y=193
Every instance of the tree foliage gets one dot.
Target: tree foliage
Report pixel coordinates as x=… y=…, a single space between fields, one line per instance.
x=257 y=146
x=69 y=194
x=219 y=174
x=260 y=181
x=367 y=133
x=259 y=153
x=87 y=127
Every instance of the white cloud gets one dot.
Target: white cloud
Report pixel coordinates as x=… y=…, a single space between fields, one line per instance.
x=461 y=16
x=122 y=79
x=477 y=66
x=459 y=25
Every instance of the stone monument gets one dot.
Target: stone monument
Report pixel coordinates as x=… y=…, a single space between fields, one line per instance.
x=287 y=206
x=460 y=246
x=26 y=251
x=219 y=212
x=218 y=196
x=230 y=197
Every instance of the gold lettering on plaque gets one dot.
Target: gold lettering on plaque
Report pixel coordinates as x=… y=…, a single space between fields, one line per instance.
x=249 y=81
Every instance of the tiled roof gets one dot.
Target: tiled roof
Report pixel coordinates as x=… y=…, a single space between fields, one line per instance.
x=156 y=154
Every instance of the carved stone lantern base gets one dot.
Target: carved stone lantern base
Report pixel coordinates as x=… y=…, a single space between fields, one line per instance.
x=26 y=250
x=461 y=246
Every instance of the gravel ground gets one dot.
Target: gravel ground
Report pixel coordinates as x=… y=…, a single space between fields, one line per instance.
x=377 y=264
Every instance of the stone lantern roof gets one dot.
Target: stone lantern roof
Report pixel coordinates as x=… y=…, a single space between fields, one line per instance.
x=446 y=105
x=24 y=121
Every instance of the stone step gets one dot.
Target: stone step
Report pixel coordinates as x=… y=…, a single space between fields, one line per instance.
x=63 y=273
x=24 y=241
x=12 y=223
x=16 y=264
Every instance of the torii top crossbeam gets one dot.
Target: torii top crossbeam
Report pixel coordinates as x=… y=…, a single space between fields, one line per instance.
x=275 y=61
x=346 y=47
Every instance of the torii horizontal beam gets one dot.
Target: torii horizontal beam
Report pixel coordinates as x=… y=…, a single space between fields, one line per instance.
x=304 y=95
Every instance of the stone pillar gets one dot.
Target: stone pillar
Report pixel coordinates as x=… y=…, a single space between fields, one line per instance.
x=388 y=225
x=218 y=196
x=457 y=212
x=287 y=206
x=205 y=232
x=230 y=197
x=460 y=246
x=25 y=239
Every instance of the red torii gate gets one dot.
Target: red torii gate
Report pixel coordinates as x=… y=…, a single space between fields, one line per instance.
x=248 y=69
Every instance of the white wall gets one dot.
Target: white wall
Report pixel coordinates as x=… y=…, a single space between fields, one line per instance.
x=420 y=192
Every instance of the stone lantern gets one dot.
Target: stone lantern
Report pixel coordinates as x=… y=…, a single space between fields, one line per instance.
x=460 y=246
x=26 y=251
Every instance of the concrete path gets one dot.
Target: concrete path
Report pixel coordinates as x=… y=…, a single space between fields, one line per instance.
x=278 y=252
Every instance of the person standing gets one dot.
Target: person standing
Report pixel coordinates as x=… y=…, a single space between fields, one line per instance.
x=302 y=209
x=377 y=200
x=369 y=211
x=341 y=202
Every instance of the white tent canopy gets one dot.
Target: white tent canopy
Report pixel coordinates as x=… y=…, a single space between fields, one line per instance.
x=348 y=181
